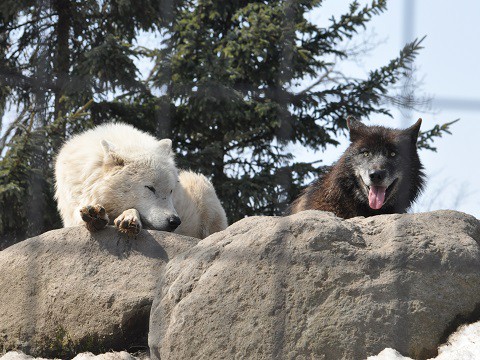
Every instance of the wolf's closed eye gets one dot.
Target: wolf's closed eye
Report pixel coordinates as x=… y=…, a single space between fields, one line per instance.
x=151 y=188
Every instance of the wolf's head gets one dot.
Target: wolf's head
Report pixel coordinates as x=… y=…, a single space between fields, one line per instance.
x=385 y=164
x=142 y=179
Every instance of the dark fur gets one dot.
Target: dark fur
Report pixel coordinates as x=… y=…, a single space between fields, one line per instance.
x=340 y=190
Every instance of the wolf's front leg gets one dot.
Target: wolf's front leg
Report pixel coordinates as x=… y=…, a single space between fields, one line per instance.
x=129 y=222
x=95 y=217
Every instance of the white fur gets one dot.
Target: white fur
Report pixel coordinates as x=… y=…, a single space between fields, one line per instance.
x=114 y=165
x=206 y=216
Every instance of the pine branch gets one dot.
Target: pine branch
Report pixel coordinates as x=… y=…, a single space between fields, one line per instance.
x=426 y=138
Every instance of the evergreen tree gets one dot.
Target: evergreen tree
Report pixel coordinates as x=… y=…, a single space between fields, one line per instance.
x=231 y=69
x=62 y=62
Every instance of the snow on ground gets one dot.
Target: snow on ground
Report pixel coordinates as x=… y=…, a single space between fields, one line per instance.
x=464 y=344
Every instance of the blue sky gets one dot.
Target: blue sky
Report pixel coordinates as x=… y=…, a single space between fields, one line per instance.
x=448 y=70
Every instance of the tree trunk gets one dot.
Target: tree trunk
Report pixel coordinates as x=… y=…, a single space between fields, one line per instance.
x=62 y=67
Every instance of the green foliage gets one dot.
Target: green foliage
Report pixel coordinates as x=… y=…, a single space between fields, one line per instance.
x=426 y=138
x=23 y=184
x=226 y=87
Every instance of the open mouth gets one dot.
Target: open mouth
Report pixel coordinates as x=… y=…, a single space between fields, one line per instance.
x=378 y=195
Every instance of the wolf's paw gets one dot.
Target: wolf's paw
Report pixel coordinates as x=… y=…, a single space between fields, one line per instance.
x=129 y=222
x=95 y=217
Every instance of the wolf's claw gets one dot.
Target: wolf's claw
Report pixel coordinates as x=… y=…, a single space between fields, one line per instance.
x=129 y=222
x=95 y=217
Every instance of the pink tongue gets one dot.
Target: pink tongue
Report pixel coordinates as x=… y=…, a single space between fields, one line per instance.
x=376 y=196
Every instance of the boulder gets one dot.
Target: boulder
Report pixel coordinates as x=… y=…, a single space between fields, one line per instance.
x=314 y=286
x=68 y=290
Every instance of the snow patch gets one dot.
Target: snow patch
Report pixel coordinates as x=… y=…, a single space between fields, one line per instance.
x=464 y=344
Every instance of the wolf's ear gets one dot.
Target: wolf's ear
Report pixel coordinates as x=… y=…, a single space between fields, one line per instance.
x=413 y=131
x=355 y=126
x=111 y=156
x=165 y=146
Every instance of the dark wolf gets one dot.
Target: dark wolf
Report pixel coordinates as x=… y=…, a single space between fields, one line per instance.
x=379 y=173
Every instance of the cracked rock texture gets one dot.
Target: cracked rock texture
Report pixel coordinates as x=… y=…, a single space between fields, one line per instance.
x=68 y=291
x=313 y=286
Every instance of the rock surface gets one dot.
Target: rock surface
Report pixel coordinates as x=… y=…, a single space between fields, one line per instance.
x=313 y=286
x=122 y=355
x=68 y=291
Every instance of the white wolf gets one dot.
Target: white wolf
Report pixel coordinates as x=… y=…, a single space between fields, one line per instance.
x=117 y=172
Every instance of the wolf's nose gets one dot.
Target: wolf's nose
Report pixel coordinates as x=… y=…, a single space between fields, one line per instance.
x=174 y=222
x=377 y=175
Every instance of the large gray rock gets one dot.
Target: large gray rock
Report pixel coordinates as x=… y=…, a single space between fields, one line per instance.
x=313 y=286
x=68 y=291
